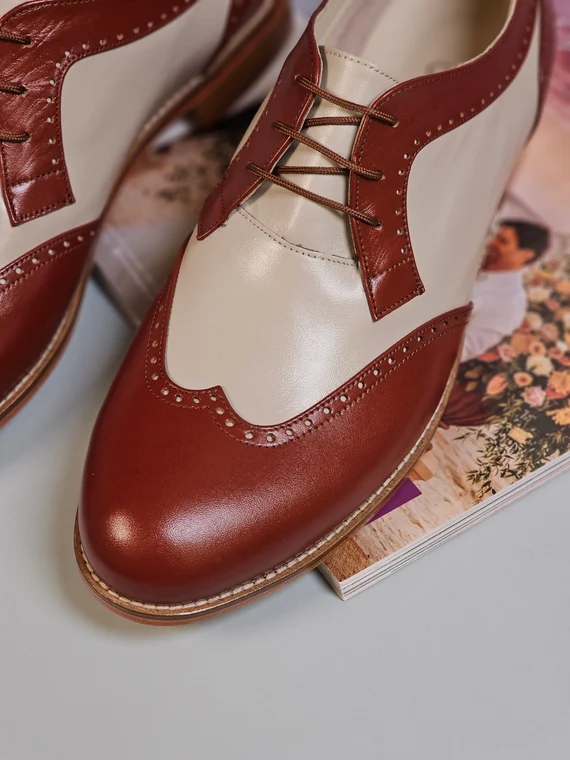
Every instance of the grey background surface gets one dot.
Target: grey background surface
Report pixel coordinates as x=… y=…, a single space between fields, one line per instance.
x=462 y=656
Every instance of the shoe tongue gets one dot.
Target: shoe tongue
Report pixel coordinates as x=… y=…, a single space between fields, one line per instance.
x=298 y=220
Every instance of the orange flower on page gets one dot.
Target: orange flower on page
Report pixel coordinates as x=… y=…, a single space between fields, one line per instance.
x=496 y=385
x=559 y=384
x=563 y=287
x=537 y=348
x=490 y=356
x=561 y=416
x=522 y=379
x=521 y=342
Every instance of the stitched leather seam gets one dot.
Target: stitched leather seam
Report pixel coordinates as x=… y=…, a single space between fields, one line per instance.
x=237 y=158
x=59 y=76
x=42 y=250
x=344 y=56
x=474 y=66
x=25 y=180
x=459 y=317
x=271 y=236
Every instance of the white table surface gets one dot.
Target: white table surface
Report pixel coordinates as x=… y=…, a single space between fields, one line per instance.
x=465 y=655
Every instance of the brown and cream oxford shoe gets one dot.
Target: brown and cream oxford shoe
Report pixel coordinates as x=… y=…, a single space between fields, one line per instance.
x=84 y=87
x=299 y=360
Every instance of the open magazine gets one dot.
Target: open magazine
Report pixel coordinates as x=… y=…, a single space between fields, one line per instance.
x=506 y=429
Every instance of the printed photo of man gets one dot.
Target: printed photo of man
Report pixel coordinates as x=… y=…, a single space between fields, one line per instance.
x=499 y=309
x=499 y=297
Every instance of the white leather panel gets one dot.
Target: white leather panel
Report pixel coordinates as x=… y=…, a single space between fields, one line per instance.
x=413 y=37
x=279 y=326
x=456 y=184
x=8 y=5
x=106 y=101
x=309 y=224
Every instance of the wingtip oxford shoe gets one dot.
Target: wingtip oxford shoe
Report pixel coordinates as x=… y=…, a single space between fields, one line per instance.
x=299 y=360
x=83 y=90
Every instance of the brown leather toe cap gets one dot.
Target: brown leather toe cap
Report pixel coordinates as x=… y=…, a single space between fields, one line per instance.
x=182 y=500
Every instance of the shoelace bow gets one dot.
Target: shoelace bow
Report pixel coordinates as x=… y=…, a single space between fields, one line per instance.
x=345 y=166
x=12 y=88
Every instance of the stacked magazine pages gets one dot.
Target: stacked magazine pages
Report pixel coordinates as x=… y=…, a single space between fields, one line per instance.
x=507 y=426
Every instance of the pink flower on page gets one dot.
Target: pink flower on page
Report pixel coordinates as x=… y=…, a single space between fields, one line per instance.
x=556 y=353
x=534 y=396
x=506 y=352
x=496 y=385
x=550 y=332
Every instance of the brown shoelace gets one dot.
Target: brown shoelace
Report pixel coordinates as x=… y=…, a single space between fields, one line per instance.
x=12 y=88
x=345 y=166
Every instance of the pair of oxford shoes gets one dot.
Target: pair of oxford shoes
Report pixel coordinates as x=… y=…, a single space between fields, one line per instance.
x=298 y=361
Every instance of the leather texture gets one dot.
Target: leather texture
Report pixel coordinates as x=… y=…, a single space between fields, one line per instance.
x=440 y=103
x=85 y=55
x=427 y=108
x=36 y=180
x=35 y=293
x=264 y=400
x=177 y=506
x=240 y=14
x=288 y=103
x=286 y=269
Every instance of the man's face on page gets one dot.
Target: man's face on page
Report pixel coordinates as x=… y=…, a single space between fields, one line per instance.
x=504 y=253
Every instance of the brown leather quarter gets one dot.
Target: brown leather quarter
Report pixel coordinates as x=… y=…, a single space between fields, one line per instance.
x=288 y=103
x=62 y=32
x=35 y=292
x=241 y=13
x=426 y=108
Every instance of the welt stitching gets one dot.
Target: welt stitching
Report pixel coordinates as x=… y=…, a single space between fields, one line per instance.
x=466 y=70
x=299 y=251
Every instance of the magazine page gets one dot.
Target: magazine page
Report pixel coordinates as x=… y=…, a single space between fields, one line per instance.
x=509 y=414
